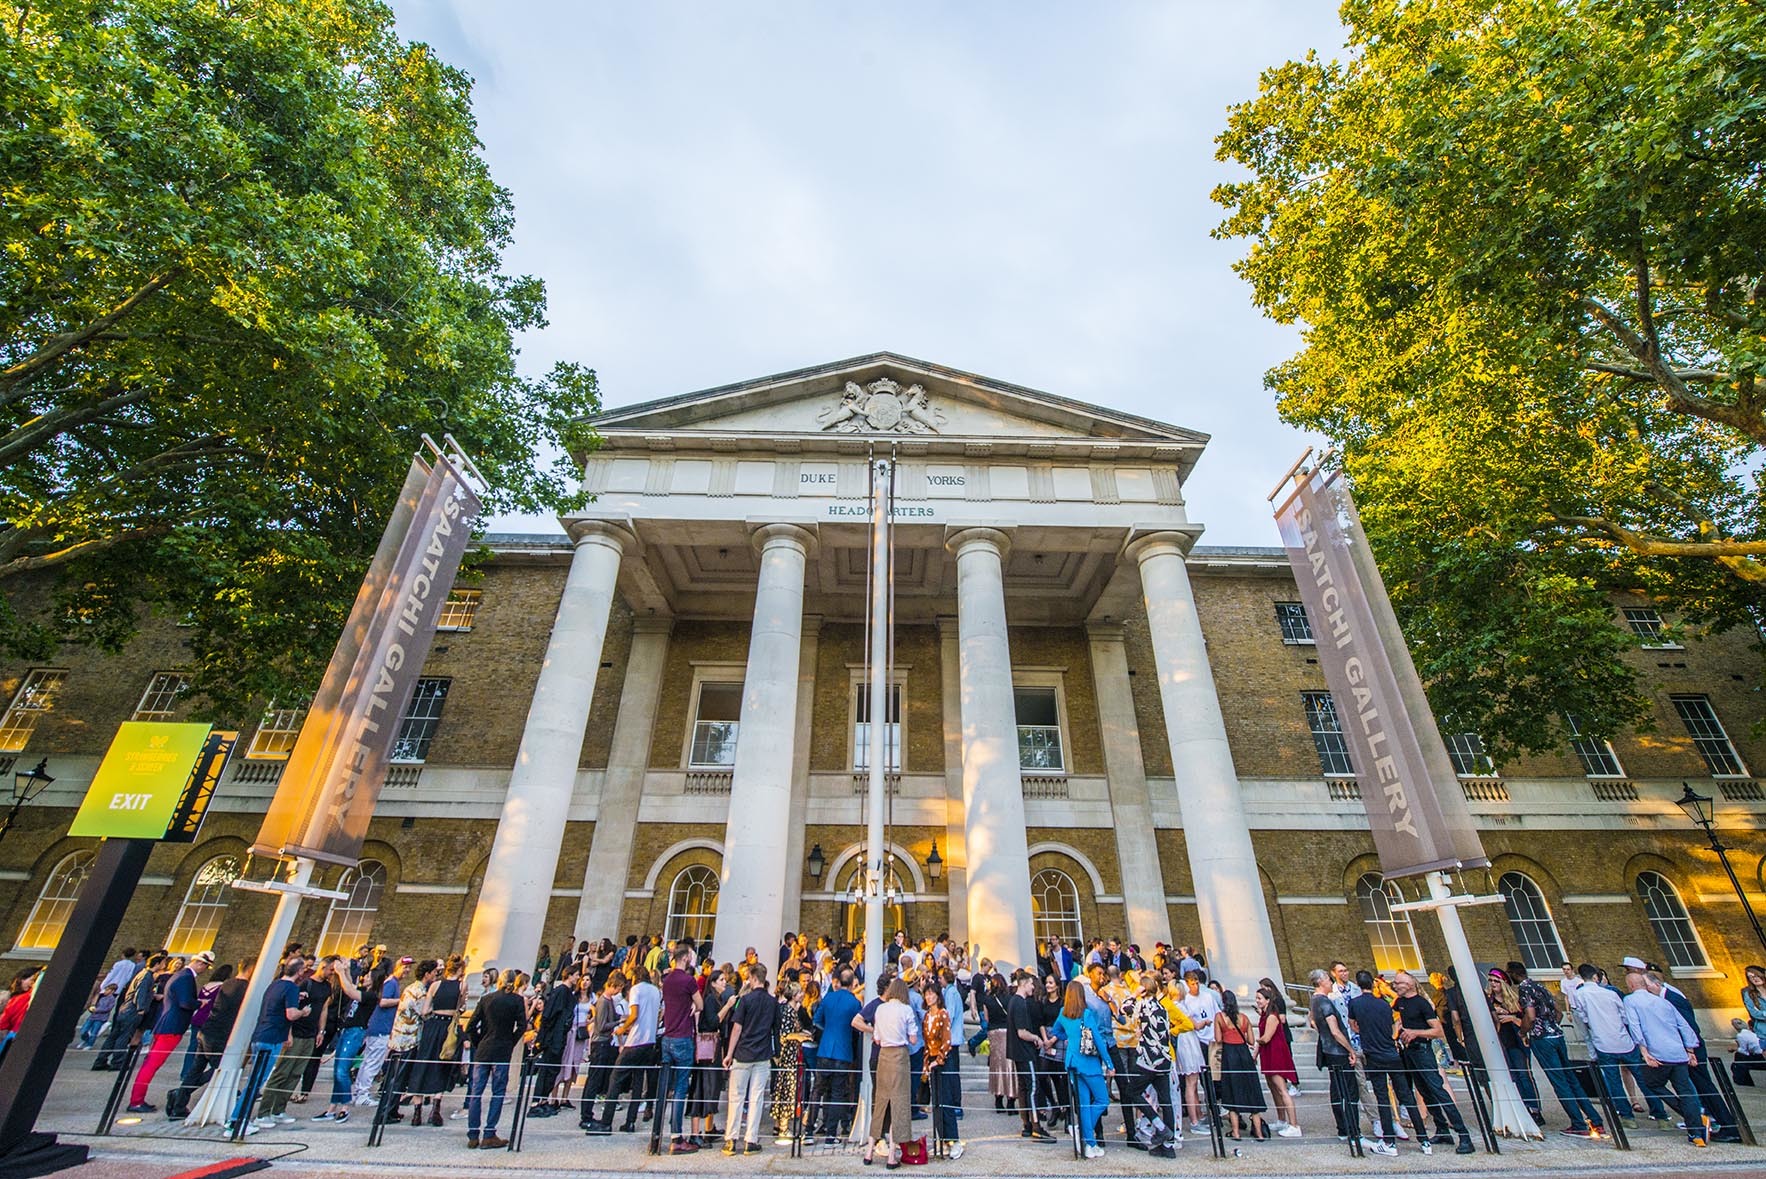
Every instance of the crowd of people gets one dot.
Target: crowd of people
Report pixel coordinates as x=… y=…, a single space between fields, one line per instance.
x=773 y=1049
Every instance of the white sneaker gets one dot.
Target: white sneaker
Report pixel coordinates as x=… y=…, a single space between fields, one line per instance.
x=1293 y=1089
x=1382 y=1148
x=1403 y=1135
x=1289 y=1132
x=1199 y=1128
x=1094 y=1152
x=265 y=1122
x=285 y=1120
x=1428 y=1147
x=956 y=1151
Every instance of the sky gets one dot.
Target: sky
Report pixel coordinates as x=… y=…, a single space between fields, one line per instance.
x=720 y=191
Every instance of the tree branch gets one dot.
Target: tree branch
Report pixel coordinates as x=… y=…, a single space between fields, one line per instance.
x=80 y=549
x=1742 y=557
x=1744 y=419
x=27 y=437
x=59 y=346
x=1689 y=375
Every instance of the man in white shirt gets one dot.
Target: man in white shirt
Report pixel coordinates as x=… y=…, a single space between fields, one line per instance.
x=1750 y=1056
x=124 y=971
x=1667 y=1043
x=640 y=1056
x=1602 y=1016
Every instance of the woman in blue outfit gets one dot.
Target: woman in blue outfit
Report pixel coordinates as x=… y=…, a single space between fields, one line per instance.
x=1088 y=1058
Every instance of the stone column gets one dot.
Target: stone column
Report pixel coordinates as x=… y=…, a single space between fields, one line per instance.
x=628 y=763
x=995 y=847
x=792 y=912
x=509 y=923
x=1229 y=893
x=751 y=894
x=1131 y=808
x=956 y=854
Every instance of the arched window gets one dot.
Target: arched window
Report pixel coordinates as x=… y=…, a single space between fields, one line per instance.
x=1669 y=922
x=204 y=905
x=1054 y=906
x=1530 y=921
x=56 y=902
x=351 y=920
x=692 y=904
x=1393 y=938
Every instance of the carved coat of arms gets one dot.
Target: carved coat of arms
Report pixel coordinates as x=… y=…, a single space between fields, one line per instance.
x=882 y=407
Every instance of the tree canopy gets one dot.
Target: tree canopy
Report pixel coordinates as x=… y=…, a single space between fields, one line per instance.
x=252 y=252
x=1526 y=244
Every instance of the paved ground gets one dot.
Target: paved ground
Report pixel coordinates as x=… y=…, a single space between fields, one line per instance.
x=157 y=1149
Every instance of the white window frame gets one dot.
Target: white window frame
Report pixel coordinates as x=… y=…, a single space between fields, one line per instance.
x=1343 y=738
x=1583 y=758
x=35 y=696
x=858 y=750
x=1646 y=623
x=345 y=932
x=278 y=730
x=1721 y=735
x=1038 y=679
x=409 y=718
x=460 y=610
x=205 y=906
x=1469 y=746
x=1524 y=927
x=1045 y=925
x=55 y=904
x=1402 y=940
x=1281 y=622
x=163 y=689
x=710 y=673
x=1667 y=889
x=705 y=878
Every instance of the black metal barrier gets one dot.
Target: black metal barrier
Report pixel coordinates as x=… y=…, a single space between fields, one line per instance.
x=1477 y=1091
x=391 y=1075
x=524 y=1086
x=664 y=1099
x=1726 y=1086
x=119 y=1090
x=1211 y=1099
x=1587 y=1074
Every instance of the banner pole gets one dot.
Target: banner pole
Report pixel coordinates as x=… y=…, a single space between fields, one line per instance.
x=1508 y=1114
x=212 y=1107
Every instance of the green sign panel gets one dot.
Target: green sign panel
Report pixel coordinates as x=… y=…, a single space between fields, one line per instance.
x=137 y=787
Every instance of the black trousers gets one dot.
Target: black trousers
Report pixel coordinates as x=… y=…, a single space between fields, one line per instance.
x=116 y=1041
x=1140 y=1088
x=545 y=1072
x=634 y=1070
x=1386 y=1076
x=833 y=1095
x=1421 y=1071
x=598 y=1075
x=1345 y=1096
x=1027 y=1105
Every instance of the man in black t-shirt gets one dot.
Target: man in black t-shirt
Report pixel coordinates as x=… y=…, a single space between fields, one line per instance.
x=1418 y=1028
x=750 y=1060
x=1370 y=1017
x=1024 y=1039
x=304 y=1033
x=1336 y=1054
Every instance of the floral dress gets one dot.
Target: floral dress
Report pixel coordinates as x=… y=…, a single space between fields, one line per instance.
x=785 y=1068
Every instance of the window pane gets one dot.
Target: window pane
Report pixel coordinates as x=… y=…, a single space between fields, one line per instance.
x=1295 y=626
x=1668 y=920
x=1466 y=751
x=1054 y=906
x=1039 y=729
x=350 y=921
x=1707 y=734
x=459 y=611
x=160 y=698
x=1327 y=735
x=1597 y=756
x=861 y=730
x=205 y=904
x=1390 y=934
x=1530 y=921
x=34 y=697
x=55 y=904
x=720 y=702
x=1036 y=706
x=692 y=904
x=276 y=734
x=715 y=728
x=421 y=720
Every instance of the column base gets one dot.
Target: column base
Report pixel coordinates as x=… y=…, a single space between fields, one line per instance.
x=40 y=1154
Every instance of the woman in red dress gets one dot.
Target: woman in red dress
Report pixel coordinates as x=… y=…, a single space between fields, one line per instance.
x=1275 y=1058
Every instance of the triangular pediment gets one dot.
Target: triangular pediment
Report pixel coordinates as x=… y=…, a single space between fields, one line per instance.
x=885 y=395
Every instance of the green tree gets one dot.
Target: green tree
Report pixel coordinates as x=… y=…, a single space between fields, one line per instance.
x=1526 y=242
x=251 y=253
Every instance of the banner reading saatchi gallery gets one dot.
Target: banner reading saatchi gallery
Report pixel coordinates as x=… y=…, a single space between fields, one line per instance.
x=338 y=764
x=1414 y=804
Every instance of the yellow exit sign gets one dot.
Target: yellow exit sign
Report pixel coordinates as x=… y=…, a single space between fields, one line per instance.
x=137 y=787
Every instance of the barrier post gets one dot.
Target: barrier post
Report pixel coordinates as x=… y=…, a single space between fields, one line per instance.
x=254 y=1085
x=1588 y=1076
x=1726 y=1086
x=114 y=1105
x=664 y=1089
x=1475 y=1087
x=523 y=1094
x=798 y=1107
x=1216 y=1133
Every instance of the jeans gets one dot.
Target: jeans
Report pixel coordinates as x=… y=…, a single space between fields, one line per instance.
x=947 y=1094
x=1422 y=1071
x=260 y=1072
x=749 y=1083
x=497 y=1075
x=373 y=1060
x=349 y=1046
x=677 y=1053
x=1549 y=1052
x=116 y=1042
x=1657 y=1080
x=1520 y=1068
x=162 y=1047
x=1609 y=1075
x=89 y=1030
x=1094 y=1099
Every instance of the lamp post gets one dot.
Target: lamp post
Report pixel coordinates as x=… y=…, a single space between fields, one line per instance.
x=1702 y=811
x=934 y=863
x=817 y=862
x=26 y=785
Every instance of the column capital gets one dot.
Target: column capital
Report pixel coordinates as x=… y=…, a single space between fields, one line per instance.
x=767 y=535
x=615 y=534
x=812 y=625
x=1104 y=632
x=1142 y=545
x=958 y=537
x=947 y=626
x=653 y=624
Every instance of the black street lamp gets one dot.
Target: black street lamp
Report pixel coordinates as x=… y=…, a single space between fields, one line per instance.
x=934 y=863
x=26 y=785
x=1702 y=811
x=817 y=862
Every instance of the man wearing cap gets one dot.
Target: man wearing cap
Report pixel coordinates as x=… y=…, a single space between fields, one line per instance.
x=174 y=1020
x=1666 y=1042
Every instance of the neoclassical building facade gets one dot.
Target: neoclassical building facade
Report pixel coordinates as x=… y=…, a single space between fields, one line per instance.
x=1094 y=724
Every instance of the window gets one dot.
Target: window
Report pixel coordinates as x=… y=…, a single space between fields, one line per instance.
x=1054 y=907
x=715 y=726
x=1327 y=735
x=861 y=729
x=1391 y=934
x=1291 y=617
x=1646 y=623
x=205 y=904
x=1466 y=752
x=459 y=611
x=276 y=734
x=349 y=921
x=417 y=727
x=55 y=904
x=1707 y=732
x=1669 y=922
x=1597 y=756
x=161 y=696
x=692 y=904
x=1530 y=921
x=1039 y=730
x=34 y=697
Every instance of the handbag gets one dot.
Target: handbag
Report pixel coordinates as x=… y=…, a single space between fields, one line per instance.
x=1088 y=1046
x=913 y=1152
x=450 y=1049
x=705 y=1047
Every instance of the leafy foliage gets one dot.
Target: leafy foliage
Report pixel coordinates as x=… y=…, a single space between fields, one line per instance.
x=251 y=253
x=1526 y=240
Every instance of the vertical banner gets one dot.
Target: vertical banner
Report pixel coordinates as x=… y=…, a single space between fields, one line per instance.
x=1414 y=802
x=338 y=764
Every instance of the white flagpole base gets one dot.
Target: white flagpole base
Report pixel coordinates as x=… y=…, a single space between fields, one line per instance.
x=861 y=1120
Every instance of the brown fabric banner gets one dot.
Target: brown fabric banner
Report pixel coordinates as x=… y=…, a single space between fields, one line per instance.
x=338 y=764
x=1413 y=798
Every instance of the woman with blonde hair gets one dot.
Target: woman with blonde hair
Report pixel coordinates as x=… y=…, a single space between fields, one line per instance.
x=891 y=1114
